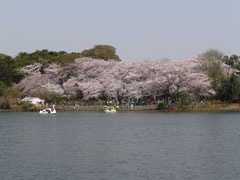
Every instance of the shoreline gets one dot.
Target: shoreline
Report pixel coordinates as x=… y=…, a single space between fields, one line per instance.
x=146 y=108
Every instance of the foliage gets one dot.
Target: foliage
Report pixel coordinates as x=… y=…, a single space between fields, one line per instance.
x=11 y=95
x=233 y=61
x=101 y=52
x=45 y=57
x=66 y=58
x=2 y=56
x=230 y=89
x=51 y=97
x=217 y=101
x=212 y=55
x=12 y=92
x=211 y=61
x=89 y=78
x=26 y=107
x=3 y=87
x=185 y=98
x=5 y=105
x=8 y=73
x=161 y=106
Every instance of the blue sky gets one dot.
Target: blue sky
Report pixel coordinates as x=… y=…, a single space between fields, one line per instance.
x=139 y=29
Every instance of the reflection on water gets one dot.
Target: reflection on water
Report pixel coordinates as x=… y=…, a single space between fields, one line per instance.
x=120 y=146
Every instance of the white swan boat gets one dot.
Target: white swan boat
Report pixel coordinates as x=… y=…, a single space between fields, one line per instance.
x=48 y=110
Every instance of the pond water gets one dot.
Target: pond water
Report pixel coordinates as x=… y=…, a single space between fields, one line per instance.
x=134 y=146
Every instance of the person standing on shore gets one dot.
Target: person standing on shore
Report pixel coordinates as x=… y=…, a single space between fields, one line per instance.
x=131 y=107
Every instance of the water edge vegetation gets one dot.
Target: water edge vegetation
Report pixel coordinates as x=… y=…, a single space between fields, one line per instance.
x=215 y=86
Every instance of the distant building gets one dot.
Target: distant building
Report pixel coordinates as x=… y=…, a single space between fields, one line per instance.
x=33 y=100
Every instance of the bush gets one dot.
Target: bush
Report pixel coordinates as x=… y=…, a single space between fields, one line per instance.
x=5 y=105
x=217 y=102
x=27 y=107
x=185 y=98
x=161 y=106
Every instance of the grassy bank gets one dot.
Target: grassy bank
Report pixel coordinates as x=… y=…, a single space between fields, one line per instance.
x=202 y=108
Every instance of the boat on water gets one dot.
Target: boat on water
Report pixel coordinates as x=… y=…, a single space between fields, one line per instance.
x=110 y=109
x=48 y=110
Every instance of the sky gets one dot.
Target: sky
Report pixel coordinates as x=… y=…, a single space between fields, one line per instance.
x=138 y=29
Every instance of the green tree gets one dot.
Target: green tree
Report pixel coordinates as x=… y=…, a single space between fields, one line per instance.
x=12 y=92
x=3 y=87
x=11 y=95
x=2 y=55
x=9 y=73
x=44 y=57
x=105 y=52
x=232 y=61
x=230 y=89
x=211 y=61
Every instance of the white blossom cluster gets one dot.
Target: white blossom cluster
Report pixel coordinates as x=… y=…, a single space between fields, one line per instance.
x=96 y=78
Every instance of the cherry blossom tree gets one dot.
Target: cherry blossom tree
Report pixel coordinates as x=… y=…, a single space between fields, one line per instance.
x=95 y=78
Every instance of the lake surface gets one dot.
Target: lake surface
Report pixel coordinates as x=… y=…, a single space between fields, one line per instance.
x=121 y=146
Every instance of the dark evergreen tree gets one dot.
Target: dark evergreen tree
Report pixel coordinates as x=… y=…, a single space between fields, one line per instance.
x=230 y=89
